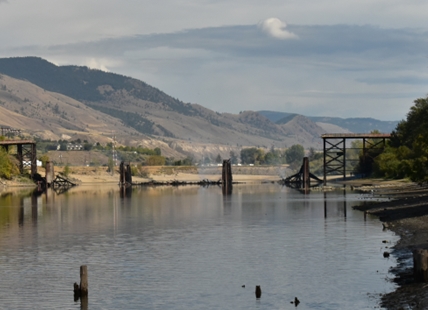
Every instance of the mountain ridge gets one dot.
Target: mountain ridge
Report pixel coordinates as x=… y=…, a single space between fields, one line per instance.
x=70 y=101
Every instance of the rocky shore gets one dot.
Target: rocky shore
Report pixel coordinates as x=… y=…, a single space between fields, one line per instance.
x=403 y=209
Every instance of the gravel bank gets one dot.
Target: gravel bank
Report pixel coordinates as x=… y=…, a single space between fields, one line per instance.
x=405 y=212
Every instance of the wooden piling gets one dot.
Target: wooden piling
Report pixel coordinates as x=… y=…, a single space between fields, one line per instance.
x=122 y=173
x=306 y=178
x=128 y=174
x=125 y=174
x=226 y=177
x=258 y=291
x=50 y=174
x=420 y=265
x=82 y=289
x=83 y=280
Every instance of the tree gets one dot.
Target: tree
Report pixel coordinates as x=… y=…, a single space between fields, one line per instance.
x=44 y=159
x=66 y=170
x=233 y=158
x=273 y=157
x=407 y=155
x=8 y=166
x=110 y=165
x=366 y=160
x=218 y=159
x=294 y=155
x=188 y=161
x=416 y=124
x=155 y=160
x=252 y=156
x=207 y=160
x=87 y=146
x=63 y=146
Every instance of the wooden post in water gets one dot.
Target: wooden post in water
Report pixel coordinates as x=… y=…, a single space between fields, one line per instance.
x=83 y=280
x=420 y=265
x=226 y=177
x=125 y=174
x=306 y=177
x=81 y=291
x=122 y=174
x=50 y=174
x=128 y=174
x=258 y=291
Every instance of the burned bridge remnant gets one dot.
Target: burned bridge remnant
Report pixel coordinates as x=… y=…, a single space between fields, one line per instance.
x=125 y=174
x=335 y=155
x=302 y=179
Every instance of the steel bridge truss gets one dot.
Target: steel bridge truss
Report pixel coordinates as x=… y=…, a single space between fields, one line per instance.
x=334 y=146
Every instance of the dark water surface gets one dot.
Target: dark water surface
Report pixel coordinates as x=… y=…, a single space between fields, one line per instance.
x=191 y=248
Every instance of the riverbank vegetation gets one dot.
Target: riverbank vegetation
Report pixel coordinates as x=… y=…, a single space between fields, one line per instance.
x=8 y=165
x=407 y=153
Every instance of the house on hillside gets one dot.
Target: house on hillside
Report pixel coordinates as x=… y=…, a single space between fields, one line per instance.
x=74 y=147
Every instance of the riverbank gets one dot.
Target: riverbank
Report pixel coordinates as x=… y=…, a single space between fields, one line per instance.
x=404 y=211
x=85 y=175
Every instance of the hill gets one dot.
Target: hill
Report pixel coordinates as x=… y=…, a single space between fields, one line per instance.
x=357 y=125
x=70 y=102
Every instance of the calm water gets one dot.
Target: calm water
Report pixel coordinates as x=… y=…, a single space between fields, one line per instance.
x=191 y=248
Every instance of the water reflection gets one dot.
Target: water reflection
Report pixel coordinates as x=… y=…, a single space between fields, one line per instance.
x=126 y=191
x=144 y=244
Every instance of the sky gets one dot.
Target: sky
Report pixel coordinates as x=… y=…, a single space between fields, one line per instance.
x=350 y=58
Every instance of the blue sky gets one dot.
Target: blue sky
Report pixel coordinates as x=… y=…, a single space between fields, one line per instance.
x=354 y=58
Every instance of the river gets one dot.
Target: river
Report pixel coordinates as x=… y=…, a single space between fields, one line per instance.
x=190 y=247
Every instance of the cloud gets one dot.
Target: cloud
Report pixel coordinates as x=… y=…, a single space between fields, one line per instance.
x=96 y=64
x=3 y=1
x=276 y=28
x=335 y=70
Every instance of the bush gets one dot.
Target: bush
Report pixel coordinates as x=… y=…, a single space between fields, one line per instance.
x=155 y=160
x=8 y=165
x=66 y=170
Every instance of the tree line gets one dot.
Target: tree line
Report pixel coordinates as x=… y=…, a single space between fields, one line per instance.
x=406 y=155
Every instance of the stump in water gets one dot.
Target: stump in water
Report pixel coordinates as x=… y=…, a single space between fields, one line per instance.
x=420 y=265
x=258 y=291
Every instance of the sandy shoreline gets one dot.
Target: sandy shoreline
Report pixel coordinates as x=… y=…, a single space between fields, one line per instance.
x=99 y=175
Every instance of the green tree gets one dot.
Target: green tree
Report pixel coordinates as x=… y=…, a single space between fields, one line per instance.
x=110 y=165
x=188 y=161
x=63 y=146
x=155 y=160
x=218 y=159
x=294 y=155
x=252 y=156
x=44 y=159
x=273 y=157
x=66 y=170
x=8 y=165
x=233 y=158
x=407 y=155
x=87 y=146
x=413 y=126
x=366 y=160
